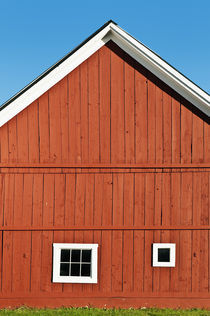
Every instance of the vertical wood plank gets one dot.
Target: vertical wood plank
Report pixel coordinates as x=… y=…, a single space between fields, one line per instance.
x=98 y=199
x=22 y=136
x=2 y=197
x=139 y=264
x=7 y=262
x=74 y=116
x=117 y=261
x=107 y=200
x=197 y=198
x=151 y=122
x=106 y=261
x=206 y=142
x=12 y=132
x=175 y=199
x=128 y=257
x=118 y=199
x=21 y=261
x=167 y=139
x=117 y=109
x=84 y=112
x=159 y=124
x=18 y=200
x=129 y=114
x=148 y=275
x=176 y=131
x=33 y=132
x=46 y=261
x=139 y=211
x=197 y=139
x=55 y=123
x=44 y=128
x=141 y=117
x=47 y=236
x=80 y=199
x=205 y=205
x=166 y=199
x=70 y=195
x=27 y=199
x=4 y=143
x=149 y=199
x=128 y=193
x=9 y=199
x=48 y=200
x=203 y=266
x=174 y=273
x=64 y=108
x=186 y=135
x=185 y=261
x=158 y=199
x=105 y=118
x=1 y=258
x=36 y=252
x=89 y=199
x=186 y=198
x=94 y=114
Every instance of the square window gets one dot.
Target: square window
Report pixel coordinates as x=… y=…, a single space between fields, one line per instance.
x=75 y=263
x=163 y=255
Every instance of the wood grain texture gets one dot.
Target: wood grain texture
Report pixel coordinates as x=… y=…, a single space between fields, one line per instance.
x=109 y=155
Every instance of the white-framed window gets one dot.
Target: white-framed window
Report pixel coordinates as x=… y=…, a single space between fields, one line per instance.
x=75 y=263
x=164 y=255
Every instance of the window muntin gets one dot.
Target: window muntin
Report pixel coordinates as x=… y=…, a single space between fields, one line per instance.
x=75 y=263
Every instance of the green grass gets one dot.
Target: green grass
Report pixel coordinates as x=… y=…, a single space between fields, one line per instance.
x=103 y=312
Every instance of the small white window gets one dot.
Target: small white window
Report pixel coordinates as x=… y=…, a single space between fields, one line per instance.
x=164 y=255
x=75 y=263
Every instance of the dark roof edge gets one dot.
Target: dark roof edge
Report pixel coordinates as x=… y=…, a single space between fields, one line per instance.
x=46 y=72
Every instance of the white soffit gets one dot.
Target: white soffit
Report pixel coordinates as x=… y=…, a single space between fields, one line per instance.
x=135 y=49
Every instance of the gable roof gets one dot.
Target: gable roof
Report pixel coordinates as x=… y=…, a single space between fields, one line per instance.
x=142 y=54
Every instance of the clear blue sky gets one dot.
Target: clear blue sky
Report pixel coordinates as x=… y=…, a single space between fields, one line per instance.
x=34 y=34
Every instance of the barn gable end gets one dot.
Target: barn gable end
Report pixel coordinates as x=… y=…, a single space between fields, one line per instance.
x=110 y=155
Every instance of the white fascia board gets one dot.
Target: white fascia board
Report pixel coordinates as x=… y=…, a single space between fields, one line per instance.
x=54 y=76
x=161 y=69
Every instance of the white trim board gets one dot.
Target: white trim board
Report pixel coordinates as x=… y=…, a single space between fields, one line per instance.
x=134 y=48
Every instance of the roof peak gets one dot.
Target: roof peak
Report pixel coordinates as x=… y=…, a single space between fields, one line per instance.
x=142 y=54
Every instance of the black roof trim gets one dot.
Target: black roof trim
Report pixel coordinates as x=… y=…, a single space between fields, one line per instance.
x=31 y=84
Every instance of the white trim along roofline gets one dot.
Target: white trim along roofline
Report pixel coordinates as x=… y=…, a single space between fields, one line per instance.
x=142 y=54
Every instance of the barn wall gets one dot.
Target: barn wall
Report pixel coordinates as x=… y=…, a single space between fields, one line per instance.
x=108 y=110
x=113 y=156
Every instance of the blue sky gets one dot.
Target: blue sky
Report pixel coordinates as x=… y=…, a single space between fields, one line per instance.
x=36 y=34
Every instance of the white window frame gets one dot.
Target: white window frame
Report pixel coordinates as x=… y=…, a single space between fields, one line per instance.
x=74 y=279
x=155 y=247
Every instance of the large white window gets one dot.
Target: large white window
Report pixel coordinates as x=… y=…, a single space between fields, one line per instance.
x=164 y=255
x=75 y=263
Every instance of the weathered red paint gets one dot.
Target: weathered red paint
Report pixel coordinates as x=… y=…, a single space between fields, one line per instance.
x=109 y=155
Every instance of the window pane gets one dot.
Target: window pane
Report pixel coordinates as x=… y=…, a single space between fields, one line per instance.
x=75 y=255
x=75 y=269
x=85 y=271
x=164 y=255
x=64 y=269
x=65 y=255
x=86 y=255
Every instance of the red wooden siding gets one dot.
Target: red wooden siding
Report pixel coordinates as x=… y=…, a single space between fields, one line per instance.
x=108 y=110
x=109 y=155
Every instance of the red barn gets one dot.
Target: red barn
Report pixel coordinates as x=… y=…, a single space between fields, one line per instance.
x=104 y=184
